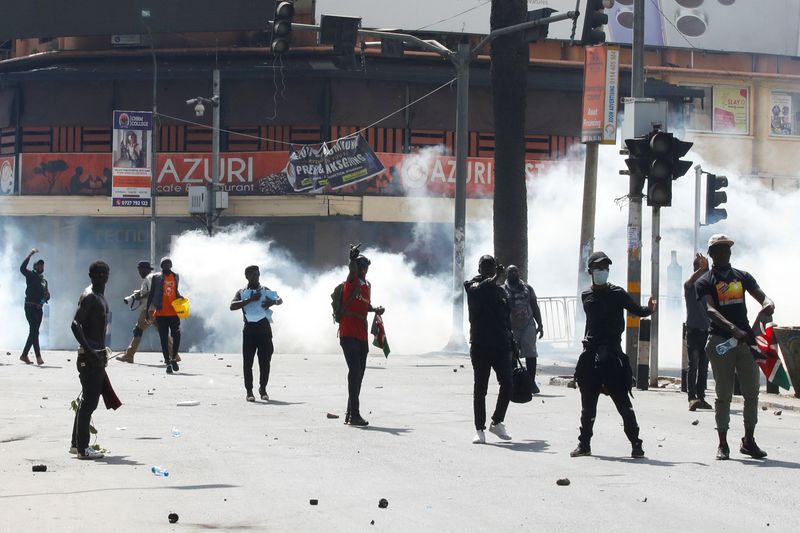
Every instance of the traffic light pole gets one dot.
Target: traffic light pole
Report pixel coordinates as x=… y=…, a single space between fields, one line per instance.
x=654 y=286
x=635 y=197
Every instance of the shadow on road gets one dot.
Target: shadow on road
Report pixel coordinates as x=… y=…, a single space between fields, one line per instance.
x=118 y=460
x=179 y=487
x=392 y=431
x=48 y=366
x=646 y=461
x=768 y=463
x=524 y=446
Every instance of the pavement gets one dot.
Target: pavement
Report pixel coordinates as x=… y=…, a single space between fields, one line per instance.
x=239 y=466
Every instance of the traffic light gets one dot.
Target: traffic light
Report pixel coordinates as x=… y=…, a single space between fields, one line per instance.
x=593 y=22
x=715 y=197
x=656 y=159
x=538 y=33
x=639 y=162
x=282 y=27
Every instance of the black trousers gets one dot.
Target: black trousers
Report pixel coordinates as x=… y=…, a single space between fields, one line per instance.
x=355 y=354
x=92 y=378
x=621 y=399
x=697 y=377
x=256 y=340
x=33 y=314
x=483 y=361
x=169 y=326
x=530 y=365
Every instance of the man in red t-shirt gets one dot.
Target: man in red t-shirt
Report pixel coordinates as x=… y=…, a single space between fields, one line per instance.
x=353 y=331
x=164 y=290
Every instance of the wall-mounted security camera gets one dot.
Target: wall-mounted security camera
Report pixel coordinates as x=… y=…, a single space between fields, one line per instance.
x=199 y=108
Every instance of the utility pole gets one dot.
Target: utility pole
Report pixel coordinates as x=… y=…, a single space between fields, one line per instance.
x=212 y=185
x=461 y=61
x=634 y=236
x=587 y=221
x=153 y=163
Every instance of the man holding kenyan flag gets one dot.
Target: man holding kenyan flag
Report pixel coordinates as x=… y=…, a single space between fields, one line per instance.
x=722 y=291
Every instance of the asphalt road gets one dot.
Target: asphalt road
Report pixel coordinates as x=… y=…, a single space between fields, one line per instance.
x=255 y=467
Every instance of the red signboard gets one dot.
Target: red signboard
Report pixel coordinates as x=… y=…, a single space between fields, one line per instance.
x=258 y=174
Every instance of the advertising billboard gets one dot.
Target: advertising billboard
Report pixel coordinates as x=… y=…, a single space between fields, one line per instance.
x=757 y=26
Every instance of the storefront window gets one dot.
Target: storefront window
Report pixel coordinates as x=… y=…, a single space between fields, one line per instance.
x=721 y=109
x=697 y=111
x=784 y=114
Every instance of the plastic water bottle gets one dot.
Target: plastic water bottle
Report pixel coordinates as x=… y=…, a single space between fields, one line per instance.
x=159 y=471
x=728 y=345
x=176 y=432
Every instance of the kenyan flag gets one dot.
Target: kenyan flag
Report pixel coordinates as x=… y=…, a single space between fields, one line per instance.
x=766 y=352
x=379 y=335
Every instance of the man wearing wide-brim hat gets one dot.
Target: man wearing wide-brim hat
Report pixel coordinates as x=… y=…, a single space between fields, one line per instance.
x=722 y=291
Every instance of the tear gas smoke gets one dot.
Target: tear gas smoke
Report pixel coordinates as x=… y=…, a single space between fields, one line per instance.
x=418 y=307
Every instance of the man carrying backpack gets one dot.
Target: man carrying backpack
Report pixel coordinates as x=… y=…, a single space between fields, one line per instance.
x=526 y=319
x=355 y=305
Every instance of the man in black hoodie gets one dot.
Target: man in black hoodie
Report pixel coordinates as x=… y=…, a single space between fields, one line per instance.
x=491 y=344
x=603 y=367
x=36 y=295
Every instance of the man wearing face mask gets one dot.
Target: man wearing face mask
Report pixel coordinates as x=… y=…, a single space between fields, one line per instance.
x=603 y=367
x=722 y=290
x=491 y=341
x=36 y=295
x=526 y=319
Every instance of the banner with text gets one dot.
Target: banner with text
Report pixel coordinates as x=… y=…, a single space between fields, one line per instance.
x=131 y=168
x=731 y=110
x=6 y=175
x=600 y=95
x=425 y=173
x=346 y=162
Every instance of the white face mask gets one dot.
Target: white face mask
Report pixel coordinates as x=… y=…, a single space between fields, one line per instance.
x=599 y=277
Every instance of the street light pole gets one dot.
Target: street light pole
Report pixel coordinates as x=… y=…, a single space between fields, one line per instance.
x=212 y=185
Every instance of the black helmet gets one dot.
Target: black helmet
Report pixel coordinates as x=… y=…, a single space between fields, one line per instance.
x=144 y=265
x=362 y=262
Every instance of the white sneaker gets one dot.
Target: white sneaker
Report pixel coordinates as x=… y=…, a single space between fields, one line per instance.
x=479 y=438
x=89 y=453
x=73 y=450
x=500 y=430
